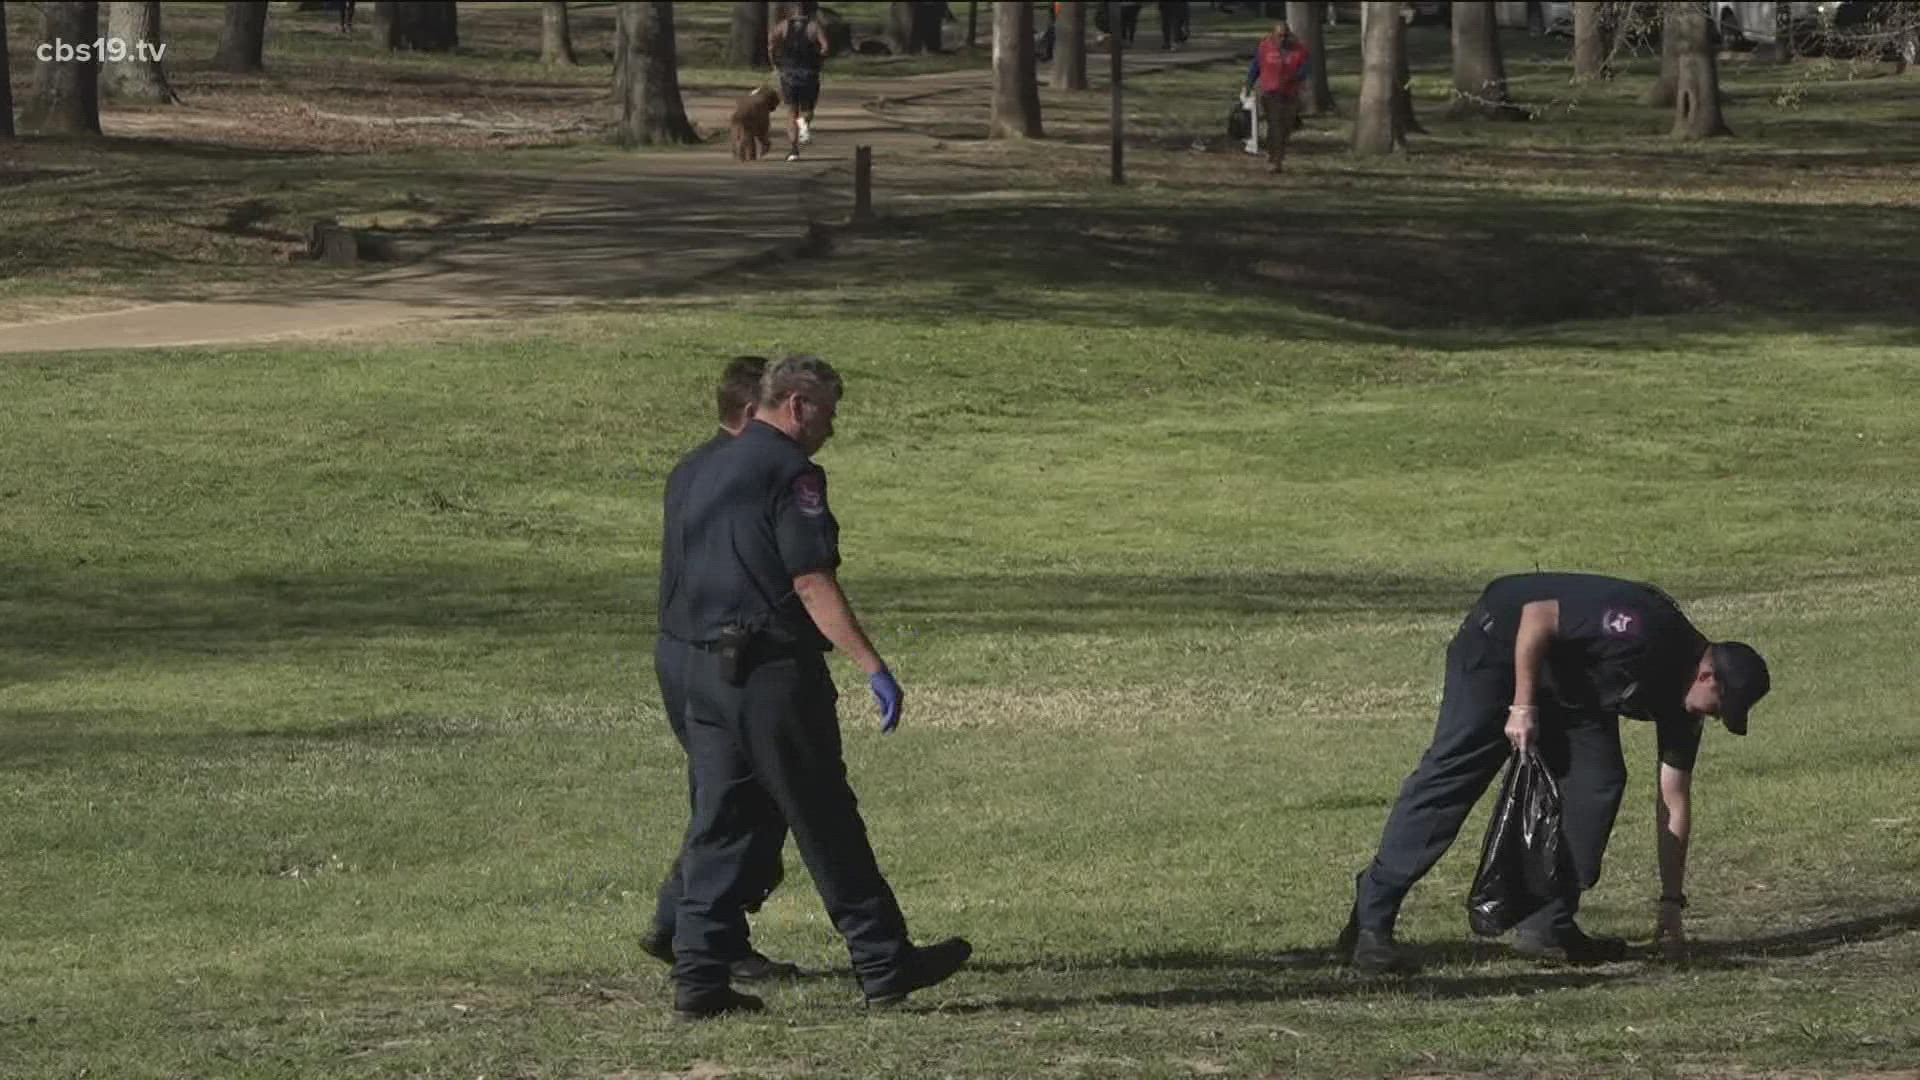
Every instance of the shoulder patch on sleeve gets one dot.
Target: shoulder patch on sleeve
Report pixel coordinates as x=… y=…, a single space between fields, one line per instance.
x=1621 y=623
x=810 y=494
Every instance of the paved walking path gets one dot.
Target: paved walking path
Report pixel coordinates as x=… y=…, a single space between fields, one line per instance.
x=615 y=230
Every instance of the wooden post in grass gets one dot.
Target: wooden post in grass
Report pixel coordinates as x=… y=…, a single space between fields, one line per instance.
x=863 y=183
x=1119 y=118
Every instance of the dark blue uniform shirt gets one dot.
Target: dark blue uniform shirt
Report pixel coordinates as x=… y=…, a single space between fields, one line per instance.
x=1622 y=647
x=743 y=517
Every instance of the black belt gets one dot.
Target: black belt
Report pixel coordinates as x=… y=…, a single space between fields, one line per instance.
x=761 y=648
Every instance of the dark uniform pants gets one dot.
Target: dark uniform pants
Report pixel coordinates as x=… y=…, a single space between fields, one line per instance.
x=1281 y=113
x=1469 y=749
x=765 y=869
x=778 y=739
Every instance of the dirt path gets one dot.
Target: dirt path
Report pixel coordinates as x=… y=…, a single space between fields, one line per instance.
x=614 y=231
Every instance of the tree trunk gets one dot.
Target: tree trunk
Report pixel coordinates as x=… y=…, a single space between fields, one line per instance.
x=913 y=26
x=6 y=79
x=973 y=25
x=386 y=24
x=1696 y=105
x=1479 y=75
x=243 y=37
x=1070 y=47
x=1378 y=129
x=900 y=27
x=137 y=77
x=430 y=25
x=927 y=25
x=66 y=94
x=1402 y=77
x=1309 y=22
x=1016 y=94
x=556 y=38
x=747 y=38
x=1665 y=88
x=1783 y=33
x=652 y=112
x=421 y=25
x=1589 y=42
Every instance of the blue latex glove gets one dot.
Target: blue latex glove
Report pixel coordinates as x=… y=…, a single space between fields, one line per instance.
x=888 y=695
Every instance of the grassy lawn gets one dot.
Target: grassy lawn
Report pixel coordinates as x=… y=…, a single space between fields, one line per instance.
x=329 y=743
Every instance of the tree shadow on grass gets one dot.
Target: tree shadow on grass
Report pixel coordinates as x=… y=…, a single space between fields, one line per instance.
x=1384 y=268
x=60 y=620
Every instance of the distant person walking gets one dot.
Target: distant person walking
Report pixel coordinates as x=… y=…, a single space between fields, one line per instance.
x=799 y=50
x=1173 y=23
x=1280 y=67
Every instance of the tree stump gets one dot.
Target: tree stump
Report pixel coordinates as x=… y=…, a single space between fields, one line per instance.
x=331 y=243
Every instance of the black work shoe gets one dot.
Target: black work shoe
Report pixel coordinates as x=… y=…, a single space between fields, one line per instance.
x=709 y=1006
x=755 y=967
x=1349 y=934
x=659 y=946
x=1374 y=953
x=925 y=967
x=1572 y=946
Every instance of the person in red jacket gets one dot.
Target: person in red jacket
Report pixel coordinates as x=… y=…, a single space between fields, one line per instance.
x=1280 y=66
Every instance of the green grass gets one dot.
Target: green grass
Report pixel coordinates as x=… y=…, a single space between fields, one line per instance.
x=329 y=743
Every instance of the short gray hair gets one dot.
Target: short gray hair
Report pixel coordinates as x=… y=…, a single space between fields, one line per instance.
x=797 y=373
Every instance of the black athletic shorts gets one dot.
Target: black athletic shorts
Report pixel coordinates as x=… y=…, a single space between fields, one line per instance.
x=800 y=88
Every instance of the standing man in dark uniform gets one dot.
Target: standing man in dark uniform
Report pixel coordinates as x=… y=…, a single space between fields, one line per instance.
x=756 y=599
x=735 y=397
x=1552 y=661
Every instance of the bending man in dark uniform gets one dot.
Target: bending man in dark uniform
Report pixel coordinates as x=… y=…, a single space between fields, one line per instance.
x=738 y=390
x=1552 y=661
x=757 y=603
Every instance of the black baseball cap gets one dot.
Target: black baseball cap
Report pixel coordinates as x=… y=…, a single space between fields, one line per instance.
x=1743 y=680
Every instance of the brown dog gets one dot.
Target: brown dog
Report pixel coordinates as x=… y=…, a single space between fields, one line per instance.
x=752 y=121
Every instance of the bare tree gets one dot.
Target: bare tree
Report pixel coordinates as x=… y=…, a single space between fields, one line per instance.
x=1589 y=41
x=1309 y=23
x=652 y=112
x=747 y=36
x=1070 y=47
x=556 y=37
x=1016 y=94
x=66 y=96
x=243 y=37
x=1479 y=74
x=1378 y=128
x=929 y=24
x=6 y=80
x=1661 y=94
x=422 y=25
x=1696 y=106
x=913 y=26
x=1783 y=50
x=133 y=29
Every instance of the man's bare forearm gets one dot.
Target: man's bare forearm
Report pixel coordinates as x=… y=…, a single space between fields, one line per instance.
x=1539 y=621
x=1673 y=820
x=820 y=593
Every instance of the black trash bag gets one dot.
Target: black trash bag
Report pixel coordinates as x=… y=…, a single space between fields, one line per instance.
x=1239 y=122
x=1523 y=864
